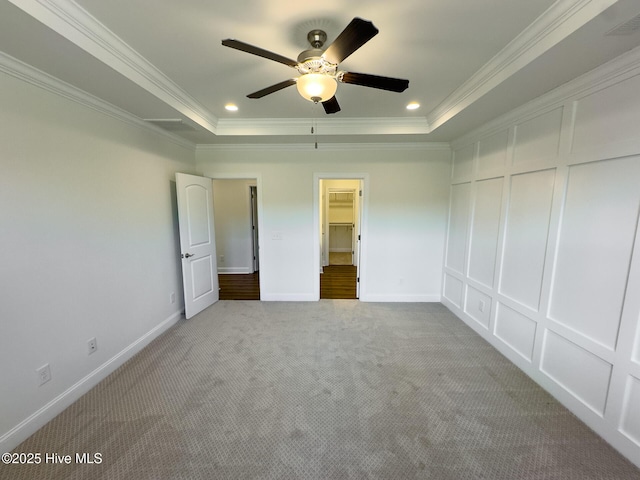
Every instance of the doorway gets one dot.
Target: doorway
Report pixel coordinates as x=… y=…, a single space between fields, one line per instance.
x=235 y=202
x=339 y=211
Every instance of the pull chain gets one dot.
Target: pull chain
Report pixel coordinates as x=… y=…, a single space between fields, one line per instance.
x=314 y=125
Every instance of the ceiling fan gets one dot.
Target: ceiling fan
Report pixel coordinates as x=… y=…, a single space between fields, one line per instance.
x=318 y=67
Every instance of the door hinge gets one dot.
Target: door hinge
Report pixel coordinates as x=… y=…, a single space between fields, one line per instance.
x=358 y=280
x=358 y=237
x=359 y=193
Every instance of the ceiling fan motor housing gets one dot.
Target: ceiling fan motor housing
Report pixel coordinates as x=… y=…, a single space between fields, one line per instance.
x=312 y=61
x=317 y=38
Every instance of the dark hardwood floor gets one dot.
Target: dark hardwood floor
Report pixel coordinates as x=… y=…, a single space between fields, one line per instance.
x=239 y=286
x=338 y=281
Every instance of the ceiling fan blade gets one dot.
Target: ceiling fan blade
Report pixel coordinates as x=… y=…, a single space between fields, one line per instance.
x=356 y=34
x=331 y=105
x=272 y=88
x=375 y=81
x=260 y=52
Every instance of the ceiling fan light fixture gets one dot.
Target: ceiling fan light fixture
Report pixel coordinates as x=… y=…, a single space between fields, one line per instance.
x=316 y=87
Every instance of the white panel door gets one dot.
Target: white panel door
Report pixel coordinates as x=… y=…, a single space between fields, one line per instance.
x=197 y=242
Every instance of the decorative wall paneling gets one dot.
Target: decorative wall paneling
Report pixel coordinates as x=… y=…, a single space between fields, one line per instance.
x=543 y=246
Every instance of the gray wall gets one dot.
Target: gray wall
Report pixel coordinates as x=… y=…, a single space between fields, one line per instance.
x=88 y=248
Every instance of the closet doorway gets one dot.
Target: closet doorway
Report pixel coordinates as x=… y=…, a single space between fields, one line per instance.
x=235 y=204
x=341 y=226
x=340 y=215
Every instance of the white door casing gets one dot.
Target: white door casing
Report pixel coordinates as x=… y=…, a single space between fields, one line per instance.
x=360 y=217
x=357 y=233
x=197 y=242
x=253 y=191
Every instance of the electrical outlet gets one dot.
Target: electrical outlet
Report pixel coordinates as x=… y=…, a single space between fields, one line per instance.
x=92 y=345
x=481 y=306
x=44 y=374
x=172 y=298
x=221 y=258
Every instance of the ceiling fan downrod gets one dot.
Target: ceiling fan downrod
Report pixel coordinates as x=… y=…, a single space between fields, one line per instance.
x=317 y=38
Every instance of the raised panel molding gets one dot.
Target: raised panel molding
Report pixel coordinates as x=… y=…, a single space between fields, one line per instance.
x=462 y=169
x=525 y=243
x=636 y=348
x=458 y=224
x=581 y=373
x=564 y=205
x=453 y=290
x=630 y=421
x=597 y=233
x=608 y=117
x=483 y=242
x=538 y=139
x=515 y=330
x=478 y=306
x=492 y=154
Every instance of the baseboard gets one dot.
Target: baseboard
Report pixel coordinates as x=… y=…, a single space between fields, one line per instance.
x=48 y=412
x=234 y=270
x=400 y=298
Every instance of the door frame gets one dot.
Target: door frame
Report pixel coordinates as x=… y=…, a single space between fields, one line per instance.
x=258 y=178
x=364 y=209
x=255 y=227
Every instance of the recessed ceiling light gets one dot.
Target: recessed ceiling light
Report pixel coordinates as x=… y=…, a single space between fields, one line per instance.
x=413 y=106
x=231 y=107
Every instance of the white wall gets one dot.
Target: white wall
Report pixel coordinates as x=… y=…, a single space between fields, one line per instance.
x=543 y=256
x=407 y=204
x=232 y=213
x=89 y=248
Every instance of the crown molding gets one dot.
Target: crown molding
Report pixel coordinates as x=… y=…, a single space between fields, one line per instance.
x=421 y=146
x=75 y=24
x=26 y=73
x=559 y=21
x=619 y=69
x=322 y=126
x=70 y=20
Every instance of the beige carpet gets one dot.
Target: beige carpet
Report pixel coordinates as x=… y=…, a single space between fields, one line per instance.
x=336 y=389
